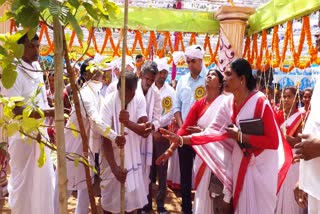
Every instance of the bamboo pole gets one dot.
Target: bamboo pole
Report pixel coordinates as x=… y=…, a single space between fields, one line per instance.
x=59 y=114
x=123 y=89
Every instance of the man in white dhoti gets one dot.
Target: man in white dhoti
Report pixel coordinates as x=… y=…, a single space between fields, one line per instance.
x=160 y=144
x=134 y=119
x=153 y=108
x=30 y=187
x=90 y=102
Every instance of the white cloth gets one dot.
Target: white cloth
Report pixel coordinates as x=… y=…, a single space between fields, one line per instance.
x=258 y=194
x=202 y=202
x=153 y=113
x=194 y=52
x=162 y=64
x=313 y=205
x=166 y=93
x=30 y=188
x=286 y=202
x=90 y=102
x=173 y=177
x=136 y=193
x=112 y=87
x=309 y=170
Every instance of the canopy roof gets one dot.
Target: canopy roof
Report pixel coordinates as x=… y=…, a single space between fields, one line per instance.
x=270 y=14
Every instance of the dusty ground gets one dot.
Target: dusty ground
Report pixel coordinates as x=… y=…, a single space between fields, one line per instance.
x=172 y=203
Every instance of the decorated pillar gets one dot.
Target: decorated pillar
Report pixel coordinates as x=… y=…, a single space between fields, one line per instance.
x=233 y=22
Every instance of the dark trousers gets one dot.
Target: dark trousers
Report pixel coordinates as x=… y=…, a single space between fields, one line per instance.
x=186 y=157
x=160 y=145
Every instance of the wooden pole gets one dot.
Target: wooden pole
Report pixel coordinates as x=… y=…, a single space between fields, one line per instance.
x=123 y=91
x=59 y=114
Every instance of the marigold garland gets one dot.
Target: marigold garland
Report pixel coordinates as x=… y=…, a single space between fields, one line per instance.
x=259 y=57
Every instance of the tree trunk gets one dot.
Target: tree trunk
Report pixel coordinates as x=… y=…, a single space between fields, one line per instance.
x=59 y=115
x=83 y=134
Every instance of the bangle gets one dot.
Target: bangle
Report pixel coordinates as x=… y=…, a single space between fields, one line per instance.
x=181 y=141
x=169 y=150
x=240 y=137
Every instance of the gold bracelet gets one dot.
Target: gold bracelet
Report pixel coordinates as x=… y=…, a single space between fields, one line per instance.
x=170 y=152
x=181 y=141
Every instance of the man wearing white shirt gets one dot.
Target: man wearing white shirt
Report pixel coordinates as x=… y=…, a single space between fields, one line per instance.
x=134 y=119
x=152 y=97
x=30 y=187
x=160 y=144
x=90 y=103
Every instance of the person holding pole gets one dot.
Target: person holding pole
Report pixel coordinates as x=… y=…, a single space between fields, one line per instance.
x=134 y=118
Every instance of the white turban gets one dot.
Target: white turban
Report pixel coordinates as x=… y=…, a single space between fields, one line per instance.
x=194 y=52
x=162 y=64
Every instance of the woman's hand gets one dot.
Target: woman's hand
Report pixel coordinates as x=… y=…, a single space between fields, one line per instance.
x=232 y=131
x=161 y=160
x=171 y=136
x=194 y=129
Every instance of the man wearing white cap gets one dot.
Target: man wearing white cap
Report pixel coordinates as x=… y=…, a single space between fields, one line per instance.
x=116 y=69
x=160 y=144
x=190 y=87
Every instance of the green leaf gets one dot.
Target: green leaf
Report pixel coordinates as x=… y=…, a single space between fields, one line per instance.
x=2 y=1
x=74 y=3
x=9 y=76
x=41 y=113
x=18 y=50
x=73 y=129
x=26 y=17
x=92 y=12
x=32 y=32
x=3 y=51
x=16 y=99
x=27 y=112
x=42 y=157
x=44 y=4
x=12 y=129
x=75 y=25
x=29 y=125
x=7 y=113
x=76 y=162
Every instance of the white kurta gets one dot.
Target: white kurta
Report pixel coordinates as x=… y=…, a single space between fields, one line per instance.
x=153 y=110
x=90 y=102
x=30 y=188
x=136 y=193
x=309 y=170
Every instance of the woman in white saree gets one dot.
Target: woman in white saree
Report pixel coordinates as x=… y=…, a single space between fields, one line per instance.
x=257 y=168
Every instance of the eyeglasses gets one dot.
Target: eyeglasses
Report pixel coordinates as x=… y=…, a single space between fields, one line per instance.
x=191 y=61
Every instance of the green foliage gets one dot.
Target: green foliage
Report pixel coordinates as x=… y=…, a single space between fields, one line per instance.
x=42 y=158
x=27 y=14
x=73 y=129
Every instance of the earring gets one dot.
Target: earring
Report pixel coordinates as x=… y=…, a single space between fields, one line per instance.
x=240 y=83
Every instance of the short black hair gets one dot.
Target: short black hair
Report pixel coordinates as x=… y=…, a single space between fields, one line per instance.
x=84 y=65
x=139 y=56
x=25 y=38
x=131 y=81
x=149 y=66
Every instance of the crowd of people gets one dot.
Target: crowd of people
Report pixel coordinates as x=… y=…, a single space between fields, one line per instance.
x=241 y=150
